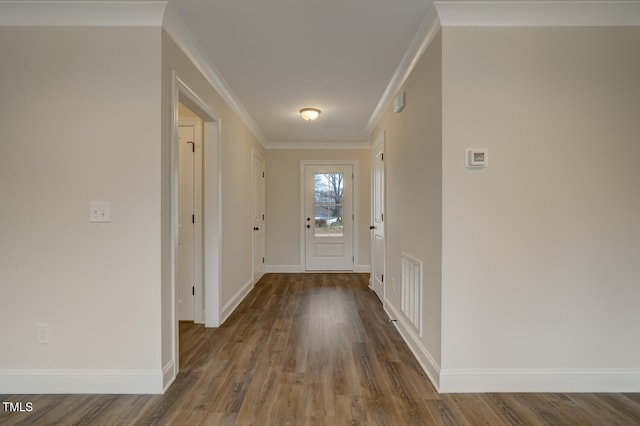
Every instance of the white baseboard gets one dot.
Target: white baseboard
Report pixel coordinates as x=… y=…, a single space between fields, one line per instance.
x=168 y=374
x=232 y=304
x=81 y=381
x=538 y=380
x=362 y=268
x=284 y=269
x=625 y=380
x=427 y=362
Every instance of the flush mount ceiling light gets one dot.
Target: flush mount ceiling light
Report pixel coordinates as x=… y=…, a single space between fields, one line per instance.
x=309 y=114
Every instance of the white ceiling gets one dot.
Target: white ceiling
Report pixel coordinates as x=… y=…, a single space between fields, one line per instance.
x=278 y=56
x=346 y=57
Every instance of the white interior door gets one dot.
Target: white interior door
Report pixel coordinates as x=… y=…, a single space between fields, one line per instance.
x=258 y=217
x=377 y=218
x=328 y=222
x=186 y=258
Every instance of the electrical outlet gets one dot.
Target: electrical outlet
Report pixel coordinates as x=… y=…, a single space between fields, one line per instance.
x=42 y=333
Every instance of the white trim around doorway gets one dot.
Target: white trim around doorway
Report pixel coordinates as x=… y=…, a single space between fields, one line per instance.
x=212 y=217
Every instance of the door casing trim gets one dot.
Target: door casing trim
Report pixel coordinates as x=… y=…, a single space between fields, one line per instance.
x=212 y=197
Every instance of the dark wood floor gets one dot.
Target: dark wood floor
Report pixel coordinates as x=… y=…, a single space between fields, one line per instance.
x=313 y=349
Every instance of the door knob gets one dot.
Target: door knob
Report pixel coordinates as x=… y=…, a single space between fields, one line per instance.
x=308 y=219
x=256 y=229
x=372 y=227
x=308 y=226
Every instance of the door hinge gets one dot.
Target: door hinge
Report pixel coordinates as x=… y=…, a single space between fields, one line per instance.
x=382 y=278
x=193 y=291
x=382 y=156
x=353 y=217
x=263 y=260
x=262 y=217
x=193 y=218
x=382 y=217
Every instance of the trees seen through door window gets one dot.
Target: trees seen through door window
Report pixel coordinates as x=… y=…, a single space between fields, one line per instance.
x=329 y=189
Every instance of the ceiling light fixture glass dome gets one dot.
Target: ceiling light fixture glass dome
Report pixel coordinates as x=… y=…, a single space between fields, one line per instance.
x=309 y=114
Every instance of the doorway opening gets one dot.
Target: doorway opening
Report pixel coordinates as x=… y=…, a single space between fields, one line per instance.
x=195 y=217
x=190 y=242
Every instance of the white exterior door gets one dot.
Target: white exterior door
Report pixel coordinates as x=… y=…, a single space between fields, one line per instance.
x=328 y=221
x=258 y=217
x=377 y=219
x=186 y=255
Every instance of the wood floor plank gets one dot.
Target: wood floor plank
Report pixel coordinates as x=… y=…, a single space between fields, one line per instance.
x=513 y=410
x=412 y=410
x=319 y=399
x=313 y=349
x=288 y=406
x=606 y=409
x=261 y=395
x=446 y=412
x=555 y=409
x=351 y=410
x=477 y=411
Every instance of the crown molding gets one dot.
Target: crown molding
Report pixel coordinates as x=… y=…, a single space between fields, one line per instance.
x=126 y=14
x=538 y=13
x=318 y=145
x=182 y=36
x=502 y=14
x=81 y=13
x=429 y=28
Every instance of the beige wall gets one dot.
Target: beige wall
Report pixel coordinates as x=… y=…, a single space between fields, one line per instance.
x=541 y=249
x=86 y=115
x=184 y=112
x=283 y=203
x=79 y=121
x=414 y=192
x=530 y=264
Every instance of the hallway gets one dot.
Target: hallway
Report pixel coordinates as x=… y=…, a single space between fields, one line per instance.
x=313 y=349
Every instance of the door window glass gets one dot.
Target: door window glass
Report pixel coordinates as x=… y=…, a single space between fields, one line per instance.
x=328 y=204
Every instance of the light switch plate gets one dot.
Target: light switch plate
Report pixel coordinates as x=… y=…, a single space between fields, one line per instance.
x=99 y=211
x=42 y=333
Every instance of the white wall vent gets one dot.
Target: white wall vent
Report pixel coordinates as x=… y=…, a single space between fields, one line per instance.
x=412 y=291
